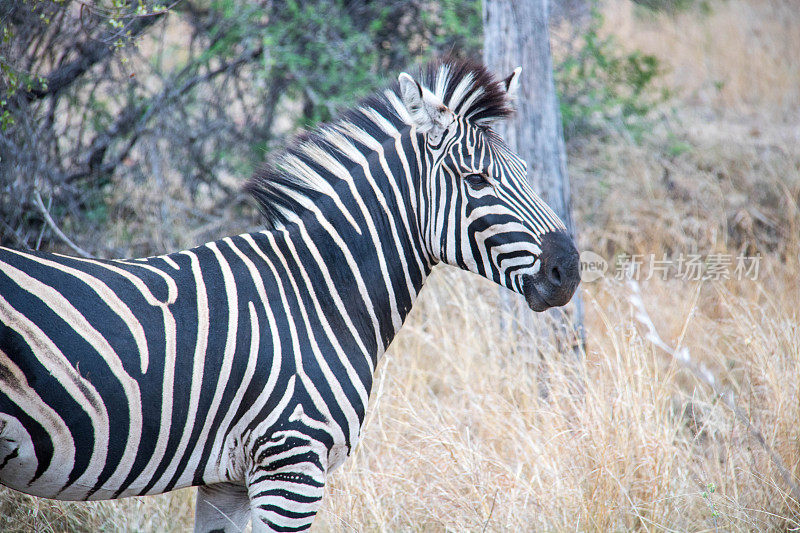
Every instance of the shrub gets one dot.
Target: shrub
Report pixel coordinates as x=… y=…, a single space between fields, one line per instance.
x=602 y=87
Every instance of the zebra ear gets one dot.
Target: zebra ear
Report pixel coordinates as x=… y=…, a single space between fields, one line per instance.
x=428 y=113
x=511 y=83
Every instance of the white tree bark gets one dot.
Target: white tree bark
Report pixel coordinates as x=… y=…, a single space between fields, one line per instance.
x=516 y=34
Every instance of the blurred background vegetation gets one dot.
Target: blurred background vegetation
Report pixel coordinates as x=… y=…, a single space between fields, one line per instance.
x=130 y=126
x=101 y=97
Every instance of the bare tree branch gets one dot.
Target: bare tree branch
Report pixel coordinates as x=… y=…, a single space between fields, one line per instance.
x=37 y=198
x=705 y=375
x=134 y=119
x=92 y=51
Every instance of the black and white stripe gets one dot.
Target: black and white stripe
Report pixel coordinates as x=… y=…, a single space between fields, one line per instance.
x=244 y=365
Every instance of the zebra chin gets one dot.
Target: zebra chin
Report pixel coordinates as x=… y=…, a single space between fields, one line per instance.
x=535 y=302
x=538 y=301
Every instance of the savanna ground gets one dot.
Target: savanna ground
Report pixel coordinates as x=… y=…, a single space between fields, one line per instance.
x=476 y=425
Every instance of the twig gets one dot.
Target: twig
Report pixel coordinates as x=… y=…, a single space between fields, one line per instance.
x=486 y=524
x=109 y=13
x=92 y=51
x=133 y=120
x=50 y=222
x=705 y=375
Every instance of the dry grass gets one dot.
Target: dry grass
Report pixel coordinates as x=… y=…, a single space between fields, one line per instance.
x=621 y=440
x=475 y=426
x=171 y=513
x=741 y=57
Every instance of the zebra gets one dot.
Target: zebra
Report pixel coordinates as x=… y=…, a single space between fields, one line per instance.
x=243 y=366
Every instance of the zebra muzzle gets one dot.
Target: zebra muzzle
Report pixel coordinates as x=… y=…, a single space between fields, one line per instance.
x=558 y=276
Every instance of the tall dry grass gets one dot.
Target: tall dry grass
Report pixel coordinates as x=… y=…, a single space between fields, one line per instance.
x=482 y=427
x=740 y=57
x=621 y=439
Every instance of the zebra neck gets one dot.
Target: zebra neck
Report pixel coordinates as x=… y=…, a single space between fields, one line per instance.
x=360 y=250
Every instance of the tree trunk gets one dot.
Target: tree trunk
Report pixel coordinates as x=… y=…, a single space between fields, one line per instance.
x=516 y=34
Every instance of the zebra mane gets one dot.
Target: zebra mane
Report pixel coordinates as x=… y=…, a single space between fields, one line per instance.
x=292 y=181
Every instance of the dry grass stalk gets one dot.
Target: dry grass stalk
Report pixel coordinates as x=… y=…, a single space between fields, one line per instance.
x=705 y=375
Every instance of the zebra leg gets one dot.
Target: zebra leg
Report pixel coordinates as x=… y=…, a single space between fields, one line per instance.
x=286 y=493
x=221 y=508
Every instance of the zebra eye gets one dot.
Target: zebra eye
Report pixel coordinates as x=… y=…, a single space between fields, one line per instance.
x=478 y=181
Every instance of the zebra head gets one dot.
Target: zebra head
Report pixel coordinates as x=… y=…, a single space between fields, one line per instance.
x=479 y=211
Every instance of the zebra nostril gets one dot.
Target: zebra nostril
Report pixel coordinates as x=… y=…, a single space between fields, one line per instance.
x=554 y=276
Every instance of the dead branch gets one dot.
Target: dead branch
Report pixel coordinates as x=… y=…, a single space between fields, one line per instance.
x=705 y=375
x=53 y=226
